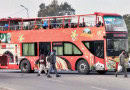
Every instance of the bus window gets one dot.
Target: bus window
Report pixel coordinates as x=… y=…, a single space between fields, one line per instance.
x=71 y=22
x=90 y=46
x=95 y=47
x=71 y=49
x=56 y=23
x=66 y=48
x=87 y=21
x=28 y=24
x=4 y=25
x=58 y=46
x=29 y=49
x=99 y=21
x=115 y=46
x=114 y=23
x=38 y=24
x=15 y=25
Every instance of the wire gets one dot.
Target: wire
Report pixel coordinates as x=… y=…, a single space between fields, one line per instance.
x=16 y=13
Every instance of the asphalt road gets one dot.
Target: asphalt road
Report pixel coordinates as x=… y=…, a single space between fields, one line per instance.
x=15 y=80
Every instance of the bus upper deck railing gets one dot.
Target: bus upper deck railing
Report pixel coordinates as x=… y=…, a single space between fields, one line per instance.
x=40 y=26
x=49 y=23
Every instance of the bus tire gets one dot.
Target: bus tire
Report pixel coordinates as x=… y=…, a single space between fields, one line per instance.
x=25 y=66
x=101 y=72
x=83 y=67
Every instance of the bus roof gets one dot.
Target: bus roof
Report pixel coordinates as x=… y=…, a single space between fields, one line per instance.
x=106 y=14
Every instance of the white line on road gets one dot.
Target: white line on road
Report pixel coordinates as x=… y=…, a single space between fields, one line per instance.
x=98 y=88
x=5 y=88
x=55 y=80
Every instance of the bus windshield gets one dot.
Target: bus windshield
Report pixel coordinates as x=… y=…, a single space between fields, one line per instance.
x=114 y=23
x=114 y=46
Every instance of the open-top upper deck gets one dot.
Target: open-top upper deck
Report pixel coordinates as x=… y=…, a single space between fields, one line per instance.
x=58 y=22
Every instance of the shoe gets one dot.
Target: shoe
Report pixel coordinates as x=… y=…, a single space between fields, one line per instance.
x=58 y=75
x=49 y=77
x=115 y=75
x=38 y=74
x=126 y=76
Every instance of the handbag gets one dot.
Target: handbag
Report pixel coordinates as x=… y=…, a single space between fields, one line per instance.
x=119 y=68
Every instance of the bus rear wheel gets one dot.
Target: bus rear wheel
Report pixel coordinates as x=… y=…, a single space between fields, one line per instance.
x=83 y=67
x=25 y=66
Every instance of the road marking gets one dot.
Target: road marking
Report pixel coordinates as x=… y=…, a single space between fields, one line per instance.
x=55 y=80
x=98 y=88
x=5 y=88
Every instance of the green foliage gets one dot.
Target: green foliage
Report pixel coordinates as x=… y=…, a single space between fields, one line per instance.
x=127 y=20
x=54 y=9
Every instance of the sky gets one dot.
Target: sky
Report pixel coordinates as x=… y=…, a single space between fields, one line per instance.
x=12 y=8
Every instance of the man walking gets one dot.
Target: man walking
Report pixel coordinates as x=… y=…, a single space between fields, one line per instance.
x=52 y=64
x=122 y=62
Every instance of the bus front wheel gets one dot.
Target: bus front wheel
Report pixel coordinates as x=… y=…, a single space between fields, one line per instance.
x=83 y=67
x=25 y=66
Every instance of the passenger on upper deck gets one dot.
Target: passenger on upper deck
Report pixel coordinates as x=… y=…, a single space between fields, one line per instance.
x=84 y=24
x=45 y=24
x=99 y=24
x=6 y=27
x=54 y=23
x=66 y=25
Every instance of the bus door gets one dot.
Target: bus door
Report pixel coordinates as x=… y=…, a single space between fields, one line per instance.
x=4 y=60
x=99 y=55
x=44 y=48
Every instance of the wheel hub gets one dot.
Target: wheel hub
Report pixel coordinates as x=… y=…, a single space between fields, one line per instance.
x=83 y=67
x=25 y=66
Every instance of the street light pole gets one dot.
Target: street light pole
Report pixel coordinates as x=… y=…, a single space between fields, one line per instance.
x=26 y=9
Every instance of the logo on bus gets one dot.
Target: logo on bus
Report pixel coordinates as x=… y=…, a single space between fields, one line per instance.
x=86 y=32
x=74 y=35
x=21 y=38
x=5 y=37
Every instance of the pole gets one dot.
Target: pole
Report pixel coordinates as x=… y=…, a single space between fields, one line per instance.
x=26 y=9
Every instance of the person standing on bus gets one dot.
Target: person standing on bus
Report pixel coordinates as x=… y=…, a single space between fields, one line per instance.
x=52 y=64
x=45 y=24
x=99 y=24
x=54 y=23
x=122 y=62
x=42 y=62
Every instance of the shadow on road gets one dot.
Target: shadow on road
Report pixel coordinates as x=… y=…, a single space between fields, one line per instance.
x=60 y=72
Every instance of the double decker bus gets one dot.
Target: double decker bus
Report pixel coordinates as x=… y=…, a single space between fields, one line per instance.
x=82 y=42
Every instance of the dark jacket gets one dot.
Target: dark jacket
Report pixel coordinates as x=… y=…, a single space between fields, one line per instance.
x=52 y=58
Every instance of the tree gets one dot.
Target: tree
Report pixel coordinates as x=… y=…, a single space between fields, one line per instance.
x=54 y=9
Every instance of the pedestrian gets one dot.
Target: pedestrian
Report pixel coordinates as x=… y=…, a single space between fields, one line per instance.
x=52 y=64
x=122 y=62
x=42 y=61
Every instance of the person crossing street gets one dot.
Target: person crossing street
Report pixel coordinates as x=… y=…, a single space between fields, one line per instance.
x=52 y=64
